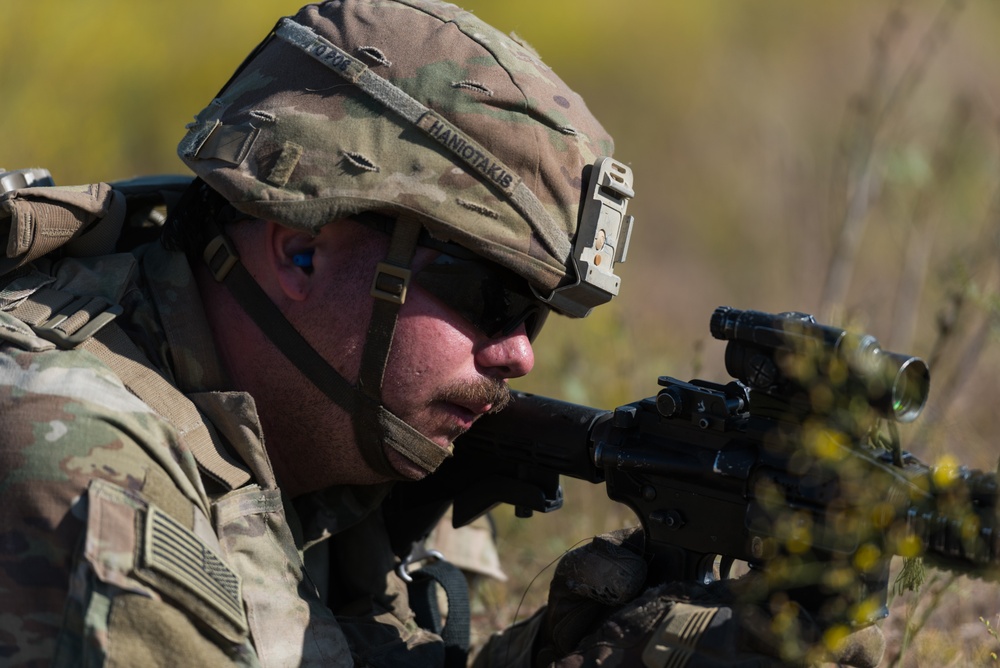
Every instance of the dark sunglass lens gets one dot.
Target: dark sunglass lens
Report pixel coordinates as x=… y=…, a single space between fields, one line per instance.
x=533 y=318
x=489 y=297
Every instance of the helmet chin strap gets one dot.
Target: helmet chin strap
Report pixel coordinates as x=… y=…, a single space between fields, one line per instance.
x=375 y=427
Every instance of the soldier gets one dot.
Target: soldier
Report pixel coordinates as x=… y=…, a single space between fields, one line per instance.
x=193 y=460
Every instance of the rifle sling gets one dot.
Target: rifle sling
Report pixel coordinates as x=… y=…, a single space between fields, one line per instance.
x=424 y=602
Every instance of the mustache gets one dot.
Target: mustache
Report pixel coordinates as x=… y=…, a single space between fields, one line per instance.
x=483 y=391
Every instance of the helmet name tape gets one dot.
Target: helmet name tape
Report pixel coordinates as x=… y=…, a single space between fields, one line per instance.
x=463 y=146
x=475 y=156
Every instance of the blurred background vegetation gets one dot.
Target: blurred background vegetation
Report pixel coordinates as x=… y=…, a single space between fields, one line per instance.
x=839 y=158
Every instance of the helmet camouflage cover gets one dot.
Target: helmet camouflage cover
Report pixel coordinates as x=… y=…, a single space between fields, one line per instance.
x=447 y=120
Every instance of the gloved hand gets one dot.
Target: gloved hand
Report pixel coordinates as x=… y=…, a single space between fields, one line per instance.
x=589 y=584
x=599 y=614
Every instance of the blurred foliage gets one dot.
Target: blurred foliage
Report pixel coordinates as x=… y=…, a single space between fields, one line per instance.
x=100 y=90
x=771 y=140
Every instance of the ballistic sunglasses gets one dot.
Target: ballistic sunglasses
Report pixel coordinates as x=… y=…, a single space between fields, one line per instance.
x=490 y=297
x=494 y=299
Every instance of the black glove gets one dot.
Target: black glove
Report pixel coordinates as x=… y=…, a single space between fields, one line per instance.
x=596 y=616
x=589 y=584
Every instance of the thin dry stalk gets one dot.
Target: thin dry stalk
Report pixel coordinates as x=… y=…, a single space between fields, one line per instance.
x=874 y=109
x=915 y=622
x=958 y=315
x=916 y=264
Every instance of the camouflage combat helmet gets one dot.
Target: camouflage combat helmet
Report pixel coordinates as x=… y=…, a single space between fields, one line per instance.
x=418 y=110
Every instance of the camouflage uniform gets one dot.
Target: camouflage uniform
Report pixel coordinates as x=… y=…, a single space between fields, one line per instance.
x=95 y=484
x=125 y=542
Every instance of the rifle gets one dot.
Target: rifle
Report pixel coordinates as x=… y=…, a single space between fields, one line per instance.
x=787 y=468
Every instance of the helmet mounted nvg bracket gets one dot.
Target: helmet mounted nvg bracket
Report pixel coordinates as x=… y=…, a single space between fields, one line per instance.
x=602 y=240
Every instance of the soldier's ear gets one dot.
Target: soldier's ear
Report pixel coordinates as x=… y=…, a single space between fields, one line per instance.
x=291 y=257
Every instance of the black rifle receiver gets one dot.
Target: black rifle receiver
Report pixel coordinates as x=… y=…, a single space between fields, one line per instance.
x=785 y=469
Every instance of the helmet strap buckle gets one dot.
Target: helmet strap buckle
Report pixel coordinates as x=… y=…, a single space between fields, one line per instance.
x=220 y=256
x=391 y=282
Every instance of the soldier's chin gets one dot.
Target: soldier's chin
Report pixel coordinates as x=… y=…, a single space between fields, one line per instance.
x=405 y=467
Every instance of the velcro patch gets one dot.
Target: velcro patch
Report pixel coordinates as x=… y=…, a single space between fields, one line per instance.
x=172 y=550
x=673 y=644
